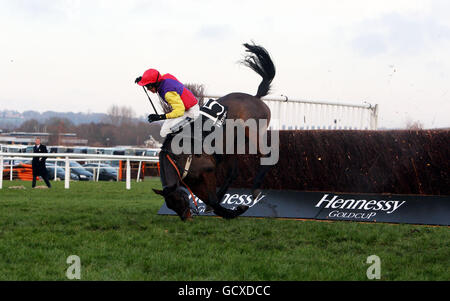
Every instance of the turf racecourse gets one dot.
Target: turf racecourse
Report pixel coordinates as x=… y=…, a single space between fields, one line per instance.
x=118 y=236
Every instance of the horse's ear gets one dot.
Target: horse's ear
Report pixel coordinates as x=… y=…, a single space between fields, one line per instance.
x=157 y=191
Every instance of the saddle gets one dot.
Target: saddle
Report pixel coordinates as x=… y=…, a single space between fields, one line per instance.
x=211 y=111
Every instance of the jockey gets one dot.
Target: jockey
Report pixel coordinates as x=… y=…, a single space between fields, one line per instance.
x=176 y=100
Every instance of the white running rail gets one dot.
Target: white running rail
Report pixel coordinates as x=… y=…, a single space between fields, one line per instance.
x=76 y=157
x=296 y=114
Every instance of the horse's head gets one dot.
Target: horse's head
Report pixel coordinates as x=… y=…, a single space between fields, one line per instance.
x=200 y=177
x=177 y=200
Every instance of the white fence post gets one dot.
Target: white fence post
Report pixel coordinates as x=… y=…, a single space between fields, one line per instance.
x=128 y=175
x=67 y=174
x=1 y=172
x=98 y=171
x=11 y=171
x=139 y=171
x=374 y=118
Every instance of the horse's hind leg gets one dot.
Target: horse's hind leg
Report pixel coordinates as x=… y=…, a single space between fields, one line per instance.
x=232 y=172
x=255 y=138
x=263 y=169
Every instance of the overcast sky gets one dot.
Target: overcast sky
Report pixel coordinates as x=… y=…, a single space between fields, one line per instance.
x=84 y=55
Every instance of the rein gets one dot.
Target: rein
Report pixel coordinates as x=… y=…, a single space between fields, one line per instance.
x=188 y=163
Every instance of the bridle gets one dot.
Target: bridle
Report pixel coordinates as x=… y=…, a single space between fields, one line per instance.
x=182 y=176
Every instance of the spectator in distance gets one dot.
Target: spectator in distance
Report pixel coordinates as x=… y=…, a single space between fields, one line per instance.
x=38 y=164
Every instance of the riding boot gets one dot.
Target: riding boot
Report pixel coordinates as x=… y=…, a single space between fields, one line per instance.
x=165 y=148
x=166 y=143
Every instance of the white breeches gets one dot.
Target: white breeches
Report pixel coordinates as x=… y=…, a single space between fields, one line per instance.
x=193 y=112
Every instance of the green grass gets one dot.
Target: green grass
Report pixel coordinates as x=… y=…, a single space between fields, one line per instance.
x=118 y=236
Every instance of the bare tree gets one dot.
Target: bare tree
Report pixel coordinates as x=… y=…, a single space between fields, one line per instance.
x=198 y=90
x=414 y=125
x=127 y=114
x=57 y=126
x=113 y=113
x=31 y=125
x=118 y=115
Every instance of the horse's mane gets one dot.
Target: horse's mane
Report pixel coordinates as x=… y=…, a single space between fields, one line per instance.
x=259 y=61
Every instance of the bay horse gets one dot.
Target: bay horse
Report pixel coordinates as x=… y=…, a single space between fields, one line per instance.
x=201 y=179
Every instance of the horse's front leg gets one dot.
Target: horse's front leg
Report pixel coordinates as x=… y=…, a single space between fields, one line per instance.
x=208 y=192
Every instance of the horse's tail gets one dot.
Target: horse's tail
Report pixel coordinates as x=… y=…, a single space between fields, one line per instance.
x=259 y=61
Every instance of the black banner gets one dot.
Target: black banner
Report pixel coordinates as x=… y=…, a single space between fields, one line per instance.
x=387 y=208
x=204 y=290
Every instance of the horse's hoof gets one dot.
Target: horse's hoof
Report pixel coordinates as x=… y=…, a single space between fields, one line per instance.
x=186 y=218
x=256 y=193
x=242 y=209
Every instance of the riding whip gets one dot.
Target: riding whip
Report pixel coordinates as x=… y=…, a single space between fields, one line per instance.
x=156 y=112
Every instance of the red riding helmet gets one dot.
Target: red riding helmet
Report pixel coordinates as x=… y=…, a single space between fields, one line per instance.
x=150 y=76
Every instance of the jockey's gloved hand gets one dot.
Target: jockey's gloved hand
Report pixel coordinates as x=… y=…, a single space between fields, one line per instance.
x=138 y=79
x=156 y=117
